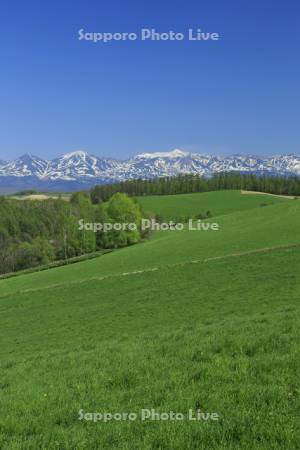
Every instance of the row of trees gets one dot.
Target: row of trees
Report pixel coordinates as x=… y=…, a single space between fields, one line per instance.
x=184 y=184
x=34 y=233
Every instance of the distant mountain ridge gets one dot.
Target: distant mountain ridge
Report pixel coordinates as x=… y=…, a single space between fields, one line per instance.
x=78 y=170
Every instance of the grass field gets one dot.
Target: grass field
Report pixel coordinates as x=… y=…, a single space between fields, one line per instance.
x=166 y=325
x=219 y=202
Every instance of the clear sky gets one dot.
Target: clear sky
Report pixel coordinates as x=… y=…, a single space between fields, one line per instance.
x=240 y=94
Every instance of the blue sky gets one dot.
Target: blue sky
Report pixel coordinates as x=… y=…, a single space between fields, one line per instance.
x=238 y=95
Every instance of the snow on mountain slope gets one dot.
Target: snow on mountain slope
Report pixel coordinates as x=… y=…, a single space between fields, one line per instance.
x=176 y=153
x=26 y=165
x=80 y=167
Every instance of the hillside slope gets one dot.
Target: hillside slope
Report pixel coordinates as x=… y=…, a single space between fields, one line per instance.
x=217 y=202
x=186 y=332
x=275 y=225
x=220 y=337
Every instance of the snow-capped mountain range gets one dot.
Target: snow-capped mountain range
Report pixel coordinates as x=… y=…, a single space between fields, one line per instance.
x=77 y=170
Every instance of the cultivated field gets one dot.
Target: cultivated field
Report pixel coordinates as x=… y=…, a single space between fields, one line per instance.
x=187 y=320
x=41 y=197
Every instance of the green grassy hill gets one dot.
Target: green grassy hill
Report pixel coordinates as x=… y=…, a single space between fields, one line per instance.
x=181 y=321
x=218 y=202
x=247 y=230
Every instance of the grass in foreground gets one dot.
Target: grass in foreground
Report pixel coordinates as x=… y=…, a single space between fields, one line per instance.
x=222 y=336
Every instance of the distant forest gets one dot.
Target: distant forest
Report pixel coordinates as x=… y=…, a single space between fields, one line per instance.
x=185 y=184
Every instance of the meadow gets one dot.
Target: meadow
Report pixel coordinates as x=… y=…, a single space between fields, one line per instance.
x=217 y=202
x=186 y=320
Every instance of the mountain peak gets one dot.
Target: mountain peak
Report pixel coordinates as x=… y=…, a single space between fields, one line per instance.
x=76 y=154
x=28 y=157
x=176 y=153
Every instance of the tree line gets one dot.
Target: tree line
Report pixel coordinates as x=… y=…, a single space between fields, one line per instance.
x=185 y=184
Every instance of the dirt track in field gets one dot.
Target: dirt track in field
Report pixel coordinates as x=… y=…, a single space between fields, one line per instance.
x=291 y=197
